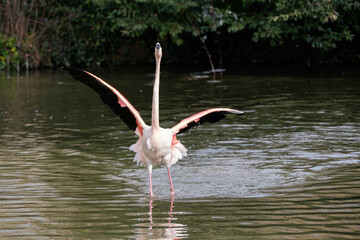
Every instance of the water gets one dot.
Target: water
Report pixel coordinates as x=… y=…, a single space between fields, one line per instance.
x=287 y=169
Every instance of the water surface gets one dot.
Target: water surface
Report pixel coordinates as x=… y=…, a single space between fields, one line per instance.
x=287 y=169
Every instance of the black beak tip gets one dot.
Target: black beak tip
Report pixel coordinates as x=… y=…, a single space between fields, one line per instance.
x=157 y=45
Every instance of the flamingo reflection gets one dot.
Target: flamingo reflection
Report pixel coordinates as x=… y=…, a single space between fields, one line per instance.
x=161 y=227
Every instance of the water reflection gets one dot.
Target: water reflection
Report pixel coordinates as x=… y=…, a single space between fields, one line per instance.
x=160 y=227
x=289 y=169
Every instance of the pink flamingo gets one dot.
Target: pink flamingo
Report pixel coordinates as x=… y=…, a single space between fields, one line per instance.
x=156 y=145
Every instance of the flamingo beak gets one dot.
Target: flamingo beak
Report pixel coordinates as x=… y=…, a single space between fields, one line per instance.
x=158 y=46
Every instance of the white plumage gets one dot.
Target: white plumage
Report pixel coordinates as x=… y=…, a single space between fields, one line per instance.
x=158 y=148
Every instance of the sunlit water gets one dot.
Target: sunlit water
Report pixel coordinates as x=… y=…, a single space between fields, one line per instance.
x=287 y=169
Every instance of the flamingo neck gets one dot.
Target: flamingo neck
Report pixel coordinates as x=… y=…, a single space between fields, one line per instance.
x=155 y=103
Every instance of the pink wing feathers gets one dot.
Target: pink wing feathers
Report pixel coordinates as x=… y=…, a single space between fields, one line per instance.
x=211 y=115
x=110 y=96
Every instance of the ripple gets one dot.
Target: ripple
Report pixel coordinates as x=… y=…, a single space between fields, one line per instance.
x=287 y=169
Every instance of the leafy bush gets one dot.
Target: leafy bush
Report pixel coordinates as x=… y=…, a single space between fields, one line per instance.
x=9 y=55
x=96 y=32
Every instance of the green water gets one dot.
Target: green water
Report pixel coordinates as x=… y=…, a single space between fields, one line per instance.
x=287 y=169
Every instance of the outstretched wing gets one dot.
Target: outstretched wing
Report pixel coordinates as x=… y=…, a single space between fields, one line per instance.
x=211 y=115
x=110 y=96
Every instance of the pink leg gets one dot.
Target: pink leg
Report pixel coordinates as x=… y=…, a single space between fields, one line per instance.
x=150 y=184
x=150 y=211
x=171 y=185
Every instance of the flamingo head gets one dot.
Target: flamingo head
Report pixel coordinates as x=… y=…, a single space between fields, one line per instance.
x=158 y=52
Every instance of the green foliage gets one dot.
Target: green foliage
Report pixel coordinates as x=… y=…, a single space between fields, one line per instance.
x=97 y=32
x=321 y=23
x=9 y=54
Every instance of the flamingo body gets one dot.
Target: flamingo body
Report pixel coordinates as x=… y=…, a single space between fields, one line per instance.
x=156 y=145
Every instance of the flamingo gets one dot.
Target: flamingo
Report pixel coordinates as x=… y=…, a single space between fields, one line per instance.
x=156 y=145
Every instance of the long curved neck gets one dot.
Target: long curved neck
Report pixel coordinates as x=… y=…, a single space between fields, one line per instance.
x=155 y=103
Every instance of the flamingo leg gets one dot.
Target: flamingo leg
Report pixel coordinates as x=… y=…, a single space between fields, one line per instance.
x=171 y=185
x=150 y=184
